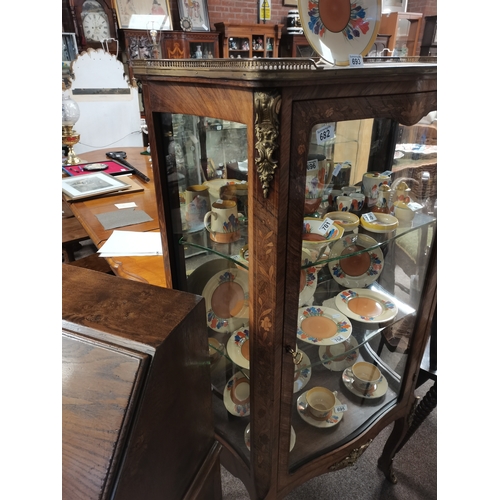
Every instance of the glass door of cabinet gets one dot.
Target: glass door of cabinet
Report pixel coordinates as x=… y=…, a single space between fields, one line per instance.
x=207 y=170
x=366 y=240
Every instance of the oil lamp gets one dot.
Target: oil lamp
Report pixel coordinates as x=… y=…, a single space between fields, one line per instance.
x=70 y=115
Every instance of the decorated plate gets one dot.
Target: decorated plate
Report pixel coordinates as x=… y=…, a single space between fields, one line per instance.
x=308 y=283
x=365 y=305
x=226 y=299
x=237 y=395
x=293 y=437
x=334 y=357
x=322 y=326
x=337 y=28
x=238 y=347
x=199 y=277
x=302 y=373
x=358 y=270
x=333 y=418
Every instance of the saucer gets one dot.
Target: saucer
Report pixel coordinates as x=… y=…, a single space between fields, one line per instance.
x=328 y=319
x=311 y=281
x=234 y=345
x=226 y=300
x=331 y=421
x=304 y=374
x=338 y=365
x=359 y=270
x=234 y=407
x=381 y=388
x=370 y=306
x=246 y=436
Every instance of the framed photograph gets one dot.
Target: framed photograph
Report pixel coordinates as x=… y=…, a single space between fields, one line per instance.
x=86 y=186
x=144 y=14
x=197 y=12
x=290 y=3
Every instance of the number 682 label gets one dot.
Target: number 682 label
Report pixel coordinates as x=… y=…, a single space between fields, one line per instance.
x=324 y=134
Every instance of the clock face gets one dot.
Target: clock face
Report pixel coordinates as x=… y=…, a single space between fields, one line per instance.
x=95 y=26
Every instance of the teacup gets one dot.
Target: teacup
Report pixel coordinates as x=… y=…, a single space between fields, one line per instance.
x=366 y=376
x=344 y=203
x=197 y=203
x=222 y=221
x=334 y=194
x=320 y=402
x=358 y=201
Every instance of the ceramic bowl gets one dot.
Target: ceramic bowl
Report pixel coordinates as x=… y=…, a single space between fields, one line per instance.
x=384 y=223
x=402 y=212
x=346 y=220
x=314 y=241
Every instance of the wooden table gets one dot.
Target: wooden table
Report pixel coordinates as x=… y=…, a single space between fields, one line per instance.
x=149 y=269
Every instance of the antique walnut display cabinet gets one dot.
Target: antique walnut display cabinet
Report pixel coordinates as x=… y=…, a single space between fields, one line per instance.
x=246 y=154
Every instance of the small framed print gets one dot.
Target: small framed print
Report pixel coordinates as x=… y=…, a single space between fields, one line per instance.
x=144 y=14
x=197 y=12
x=87 y=186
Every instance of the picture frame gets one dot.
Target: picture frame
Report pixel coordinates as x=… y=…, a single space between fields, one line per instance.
x=87 y=186
x=144 y=14
x=195 y=11
x=290 y=3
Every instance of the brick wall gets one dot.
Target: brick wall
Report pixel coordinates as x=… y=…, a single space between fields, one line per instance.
x=243 y=11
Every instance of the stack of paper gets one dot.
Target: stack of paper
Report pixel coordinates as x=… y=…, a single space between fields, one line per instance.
x=131 y=243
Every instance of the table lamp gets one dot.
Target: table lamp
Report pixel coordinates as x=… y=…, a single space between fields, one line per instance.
x=70 y=115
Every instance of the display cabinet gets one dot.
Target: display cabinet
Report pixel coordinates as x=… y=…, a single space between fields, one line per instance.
x=249 y=40
x=245 y=156
x=403 y=29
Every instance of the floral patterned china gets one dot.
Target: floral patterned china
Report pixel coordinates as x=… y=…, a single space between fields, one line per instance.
x=336 y=29
x=226 y=299
x=358 y=270
x=332 y=419
x=366 y=305
x=322 y=326
x=379 y=391
x=308 y=283
x=334 y=357
x=238 y=347
x=237 y=395
x=302 y=373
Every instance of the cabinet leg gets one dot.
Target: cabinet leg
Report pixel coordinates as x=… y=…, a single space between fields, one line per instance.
x=385 y=461
x=423 y=410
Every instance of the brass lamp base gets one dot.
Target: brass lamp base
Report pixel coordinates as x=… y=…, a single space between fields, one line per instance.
x=69 y=139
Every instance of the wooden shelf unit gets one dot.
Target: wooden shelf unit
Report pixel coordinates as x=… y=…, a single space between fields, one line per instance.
x=262 y=40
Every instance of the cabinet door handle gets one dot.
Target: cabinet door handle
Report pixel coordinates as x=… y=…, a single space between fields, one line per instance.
x=297 y=356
